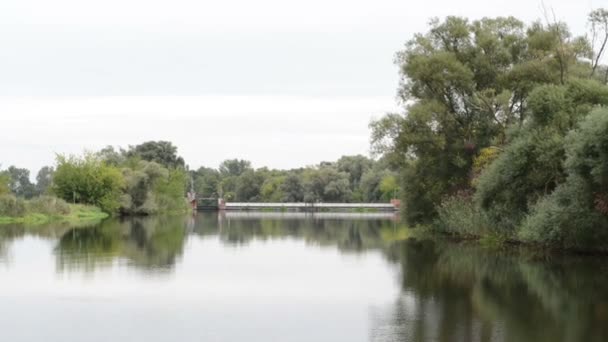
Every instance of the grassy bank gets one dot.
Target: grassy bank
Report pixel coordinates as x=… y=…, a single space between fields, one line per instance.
x=78 y=213
x=45 y=209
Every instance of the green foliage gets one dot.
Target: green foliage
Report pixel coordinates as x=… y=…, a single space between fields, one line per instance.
x=19 y=182
x=5 y=179
x=206 y=182
x=48 y=205
x=527 y=169
x=389 y=187
x=458 y=215
x=574 y=214
x=272 y=189
x=44 y=179
x=88 y=180
x=161 y=152
x=355 y=167
x=547 y=103
x=349 y=179
x=326 y=184
x=138 y=197
x=532 y=165
x=234 y=167
x=12 y=206
x=248 y=186
x=464 y=84
x=292 y=189
x=170 y=191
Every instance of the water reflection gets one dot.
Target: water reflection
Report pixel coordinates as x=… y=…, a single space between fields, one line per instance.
x=465 y=293
x=149 y=243
x=444 y=291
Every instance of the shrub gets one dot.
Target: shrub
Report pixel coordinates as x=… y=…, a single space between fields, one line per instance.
x=48 y=205
x=529 y=168
x=12 y=206
x=88 y=180
x=573 y=215
x=458 y=215
x=566 y=218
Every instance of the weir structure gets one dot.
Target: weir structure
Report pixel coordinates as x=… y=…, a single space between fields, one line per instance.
x=203 y=204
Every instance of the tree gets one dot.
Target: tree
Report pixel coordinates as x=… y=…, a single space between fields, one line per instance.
x=326 y=184
x=464 y=83
x=88 y=180
x=20 y=183
x=272 y=189
x=234 y=167
x=355 y=167
x=5 y=179
x=139 y=197
x=292 y=188
x=44 y=179
x=531 y=165
x=576 y=213
x=112 y=156
x=248 y=186
x=206 y=181
x=162 y=152
x=599 y=31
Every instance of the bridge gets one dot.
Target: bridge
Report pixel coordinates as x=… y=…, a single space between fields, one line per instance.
x=207 y=204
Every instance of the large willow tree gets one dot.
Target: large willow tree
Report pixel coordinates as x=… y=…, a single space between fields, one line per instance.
x=463 y=84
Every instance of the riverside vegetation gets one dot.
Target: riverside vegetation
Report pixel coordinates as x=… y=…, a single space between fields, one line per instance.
x=152 y=178
x=505 y=131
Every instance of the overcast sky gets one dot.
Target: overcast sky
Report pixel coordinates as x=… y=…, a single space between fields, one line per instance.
x=281 y=83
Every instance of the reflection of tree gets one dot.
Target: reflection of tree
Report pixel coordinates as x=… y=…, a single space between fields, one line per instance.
x=347 y=234
x=464 y=293
x=147 y=242
x=13 y=232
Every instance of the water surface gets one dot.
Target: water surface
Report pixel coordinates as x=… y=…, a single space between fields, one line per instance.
x=286 y=277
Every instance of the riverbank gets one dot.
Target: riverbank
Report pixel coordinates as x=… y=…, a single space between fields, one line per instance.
x=78 y=213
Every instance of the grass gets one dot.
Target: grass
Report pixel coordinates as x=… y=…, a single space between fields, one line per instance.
x=79 y=213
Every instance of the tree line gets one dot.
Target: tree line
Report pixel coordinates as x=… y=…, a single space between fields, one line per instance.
x=349 y=179
x=143 y=179
x=152 y=177
x=504 y=130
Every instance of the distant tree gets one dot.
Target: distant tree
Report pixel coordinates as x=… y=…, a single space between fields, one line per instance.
x=20 y=183
x=5 y=179
x=162 y=152
x=44 y=178
x=248 y=186
x=206 y=181
x=272 y=189
x=112 y=156
x=292 y=188
x=326 y=184
x=234 y=167
x=355 y=167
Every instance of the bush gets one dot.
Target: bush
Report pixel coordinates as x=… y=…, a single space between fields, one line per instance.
x=88 y=180
x=48 y=205
x=529 y=168
x=12 y=206
x=573 y=215
x=458 y=215
x=566 y=219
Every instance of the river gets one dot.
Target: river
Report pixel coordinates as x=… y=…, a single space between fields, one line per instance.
x=287 y=277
